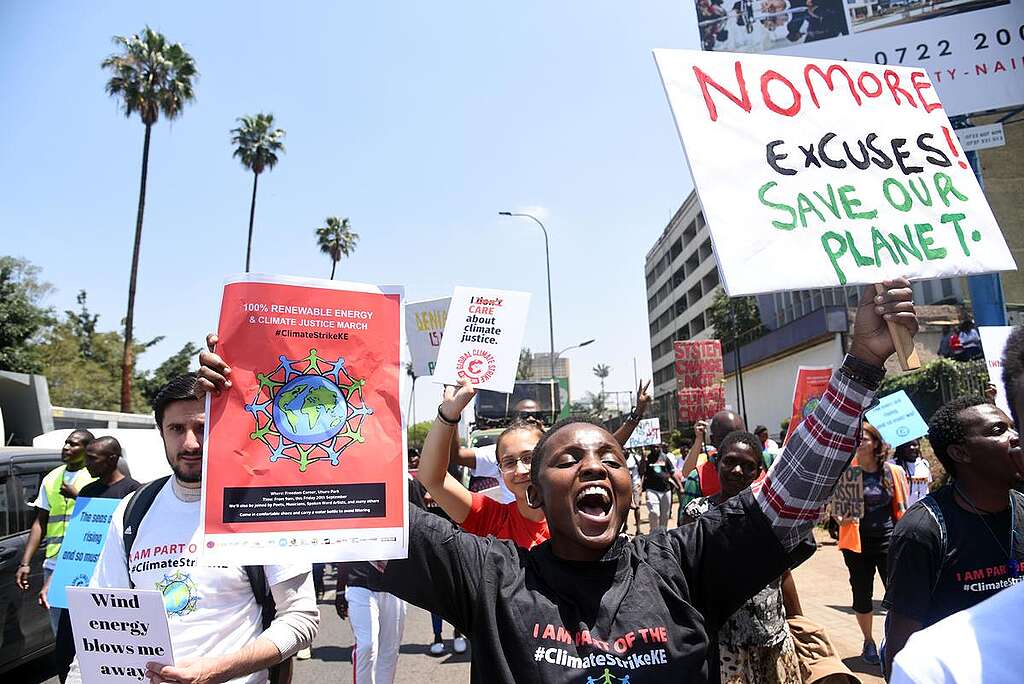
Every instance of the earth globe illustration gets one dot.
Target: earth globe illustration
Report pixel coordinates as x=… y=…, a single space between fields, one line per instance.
x=310 y=409
x=179 y=592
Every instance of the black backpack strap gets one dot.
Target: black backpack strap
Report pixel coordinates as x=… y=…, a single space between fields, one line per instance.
x=261 y=592
x=134 y=512
x=932 y=506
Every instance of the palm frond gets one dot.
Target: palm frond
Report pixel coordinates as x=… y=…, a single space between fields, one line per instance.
x=150 y=76
x=257 y=143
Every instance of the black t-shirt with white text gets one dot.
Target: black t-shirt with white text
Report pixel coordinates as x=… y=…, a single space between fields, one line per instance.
x=974 y=567
x=644 y=613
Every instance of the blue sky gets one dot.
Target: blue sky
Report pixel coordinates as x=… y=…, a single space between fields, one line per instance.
x=418 y=121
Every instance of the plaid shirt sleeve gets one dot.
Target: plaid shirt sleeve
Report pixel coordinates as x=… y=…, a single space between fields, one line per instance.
x=804 y=475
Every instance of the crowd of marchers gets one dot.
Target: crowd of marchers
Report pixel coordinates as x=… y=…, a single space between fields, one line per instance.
x=543 y=580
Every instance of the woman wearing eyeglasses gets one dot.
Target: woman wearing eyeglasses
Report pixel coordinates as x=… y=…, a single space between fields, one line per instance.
x=476 y=513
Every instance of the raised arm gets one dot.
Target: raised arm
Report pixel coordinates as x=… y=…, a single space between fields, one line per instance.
x=700 y=430
x=643 y=400
x=803 y=477
x=450 y=495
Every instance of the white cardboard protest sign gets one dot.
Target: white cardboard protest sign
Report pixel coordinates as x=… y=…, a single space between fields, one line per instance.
x=850 y=171
x=647 y=432
x=993 y=343
x=118 y=631
x=424 y=326
x=482 y=338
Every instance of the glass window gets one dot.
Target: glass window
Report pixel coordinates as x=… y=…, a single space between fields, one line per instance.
x=26 y=489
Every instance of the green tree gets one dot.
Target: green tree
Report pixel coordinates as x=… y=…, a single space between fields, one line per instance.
x=257 y=144
x=417 y=433
x=83 y=364
x=525 y=364
x=336 y=240
x=177 y=364
x=23 y=318
x=736 y=319
x=149 y=76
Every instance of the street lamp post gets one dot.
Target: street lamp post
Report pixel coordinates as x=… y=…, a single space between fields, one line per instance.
x=547 y=261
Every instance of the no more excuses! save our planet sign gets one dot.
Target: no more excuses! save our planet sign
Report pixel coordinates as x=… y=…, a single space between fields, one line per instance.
x=815 y=173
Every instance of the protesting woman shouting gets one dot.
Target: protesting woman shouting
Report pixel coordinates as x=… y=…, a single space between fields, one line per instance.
x=593 y=604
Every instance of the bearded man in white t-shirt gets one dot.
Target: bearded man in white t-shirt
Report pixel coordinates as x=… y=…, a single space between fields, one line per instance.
x=215 y=620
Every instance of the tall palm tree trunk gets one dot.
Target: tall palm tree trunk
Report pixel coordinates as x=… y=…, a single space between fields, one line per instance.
x=252 y=216
x=334 y=265
x=129 y=319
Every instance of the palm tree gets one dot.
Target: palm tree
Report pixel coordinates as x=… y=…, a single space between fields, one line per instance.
x=149 y=76
x=257 y=144
x=336 y=240
x=602 y=370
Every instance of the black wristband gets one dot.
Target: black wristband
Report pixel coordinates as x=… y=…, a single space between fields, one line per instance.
x=862 y=372
x=444 y=418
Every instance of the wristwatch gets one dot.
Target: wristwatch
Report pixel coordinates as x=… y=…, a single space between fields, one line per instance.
x=862 y=372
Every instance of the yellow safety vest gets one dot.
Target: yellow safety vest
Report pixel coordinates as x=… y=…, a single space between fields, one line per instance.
x=60 y=507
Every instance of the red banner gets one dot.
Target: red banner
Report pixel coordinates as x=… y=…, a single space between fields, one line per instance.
x=698 y=363
x=810 y=386
x=698 y=403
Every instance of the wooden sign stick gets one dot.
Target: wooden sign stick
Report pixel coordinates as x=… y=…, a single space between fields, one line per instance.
x=904 y=341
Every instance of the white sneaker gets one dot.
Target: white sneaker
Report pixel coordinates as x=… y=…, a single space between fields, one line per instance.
x=304 y=654
x=437 y=648
x=459 y=644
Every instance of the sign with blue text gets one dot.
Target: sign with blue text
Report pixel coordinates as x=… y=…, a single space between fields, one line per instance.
x=83 y=541
x=897 y=419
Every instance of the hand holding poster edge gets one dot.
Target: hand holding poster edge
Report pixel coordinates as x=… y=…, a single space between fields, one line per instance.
x=740 y=121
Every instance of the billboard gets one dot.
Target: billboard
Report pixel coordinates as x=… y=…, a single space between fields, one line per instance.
x=973 y=50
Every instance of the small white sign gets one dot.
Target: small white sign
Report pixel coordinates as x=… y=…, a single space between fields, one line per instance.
x=118 y=631
x=981 y=137
x=424 y=326
x=482 y=338
x=993 y=343
x=852 y=171
x=647 y=432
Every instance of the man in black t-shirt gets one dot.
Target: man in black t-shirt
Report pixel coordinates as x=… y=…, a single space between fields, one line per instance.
x=101 y=457
x=963 y=543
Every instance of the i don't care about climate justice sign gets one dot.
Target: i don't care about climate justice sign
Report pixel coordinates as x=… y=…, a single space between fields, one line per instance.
x=817 y=173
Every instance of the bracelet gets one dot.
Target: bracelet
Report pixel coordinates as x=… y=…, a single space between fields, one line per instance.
x=862 y=372
x=633 y=417
x=444 y=418
x=24 y=565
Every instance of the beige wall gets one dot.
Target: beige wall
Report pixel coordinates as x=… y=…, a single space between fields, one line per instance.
x=768 y=388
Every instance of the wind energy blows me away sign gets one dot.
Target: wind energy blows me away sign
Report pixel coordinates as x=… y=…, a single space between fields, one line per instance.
x=814 y=173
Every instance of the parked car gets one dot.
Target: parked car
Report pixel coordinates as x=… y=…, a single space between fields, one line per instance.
x=26 y=632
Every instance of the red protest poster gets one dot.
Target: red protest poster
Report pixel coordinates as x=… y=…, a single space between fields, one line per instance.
x=811 y=382
x=698 y=403
x=698 y=363
x=306 y=450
